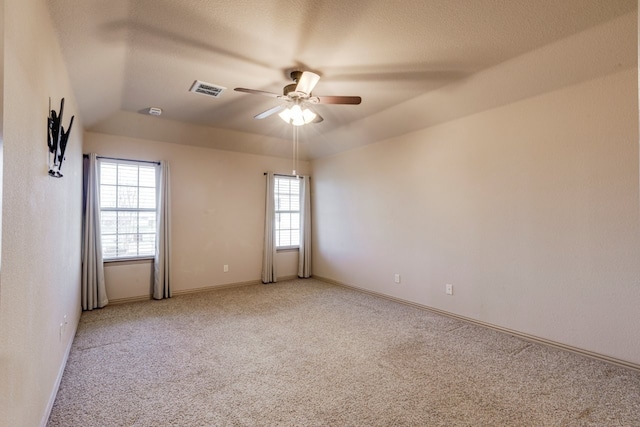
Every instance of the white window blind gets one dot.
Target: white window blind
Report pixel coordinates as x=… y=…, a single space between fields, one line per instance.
x=287 y=212
x=127 y=209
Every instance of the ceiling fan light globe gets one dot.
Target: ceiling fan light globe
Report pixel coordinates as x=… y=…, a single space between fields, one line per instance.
x=296 y=111
x=308 y=115
x=297 y=118
x=285 y=115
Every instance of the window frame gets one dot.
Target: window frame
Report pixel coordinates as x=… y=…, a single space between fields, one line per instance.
x=289 y=211
x=138 y=163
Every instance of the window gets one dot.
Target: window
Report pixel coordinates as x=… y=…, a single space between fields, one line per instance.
x=287 y=212
x=127 y=209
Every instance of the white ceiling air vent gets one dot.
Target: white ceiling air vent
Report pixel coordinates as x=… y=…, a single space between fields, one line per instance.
x=207 y=88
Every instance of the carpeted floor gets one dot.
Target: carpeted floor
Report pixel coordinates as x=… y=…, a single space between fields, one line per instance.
x=307 y=353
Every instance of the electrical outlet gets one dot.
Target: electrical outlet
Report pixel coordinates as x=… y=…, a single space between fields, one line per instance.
x=449 y=289
x=225 y=268
x=396 y=278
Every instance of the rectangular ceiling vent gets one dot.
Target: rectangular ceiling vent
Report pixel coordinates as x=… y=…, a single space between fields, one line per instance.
x=207 y=88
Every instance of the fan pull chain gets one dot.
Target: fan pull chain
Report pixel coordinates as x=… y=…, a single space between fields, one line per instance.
x=295 y=150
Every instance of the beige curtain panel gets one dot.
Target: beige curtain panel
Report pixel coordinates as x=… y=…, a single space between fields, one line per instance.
x=93 y=292
x=162 y=259
x=269 y=273
x=304 y=255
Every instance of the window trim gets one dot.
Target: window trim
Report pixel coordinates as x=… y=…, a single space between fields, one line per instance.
x=146 y=163
x=290 y=248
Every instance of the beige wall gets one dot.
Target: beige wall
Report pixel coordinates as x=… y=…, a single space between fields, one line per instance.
x=40 y=221
x=530 y=210
x=1 y=121
x=217 y=215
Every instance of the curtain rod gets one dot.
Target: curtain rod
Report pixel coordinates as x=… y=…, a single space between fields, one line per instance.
x=290 y=176
x=127 y=160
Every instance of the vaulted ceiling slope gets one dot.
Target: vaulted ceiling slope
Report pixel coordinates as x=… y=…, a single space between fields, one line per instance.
x=413 y=62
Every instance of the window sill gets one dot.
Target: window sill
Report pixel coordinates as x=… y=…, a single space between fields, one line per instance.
x=116 y=260
x=288 y=249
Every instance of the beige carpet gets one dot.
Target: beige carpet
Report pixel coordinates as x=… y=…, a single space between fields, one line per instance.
x=307 y=353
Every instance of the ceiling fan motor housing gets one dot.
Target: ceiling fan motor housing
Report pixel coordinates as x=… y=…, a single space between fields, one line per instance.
x=289 y=88
x=295 y=75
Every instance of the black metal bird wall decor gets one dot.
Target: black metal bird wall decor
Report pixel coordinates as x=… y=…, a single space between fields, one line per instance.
x=57 y=139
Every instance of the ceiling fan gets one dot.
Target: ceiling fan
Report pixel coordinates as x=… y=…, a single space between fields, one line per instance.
x=297 y=108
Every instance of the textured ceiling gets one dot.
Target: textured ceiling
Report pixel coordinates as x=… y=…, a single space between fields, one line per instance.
x=124 y=56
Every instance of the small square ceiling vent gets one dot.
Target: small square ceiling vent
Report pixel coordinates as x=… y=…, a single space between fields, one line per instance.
x=207 y=88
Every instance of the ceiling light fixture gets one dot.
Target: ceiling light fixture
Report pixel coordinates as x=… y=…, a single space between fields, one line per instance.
x=297 y=116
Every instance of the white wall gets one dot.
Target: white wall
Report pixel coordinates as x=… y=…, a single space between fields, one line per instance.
x=217 y=215
x=530 y=210
x=41 y=231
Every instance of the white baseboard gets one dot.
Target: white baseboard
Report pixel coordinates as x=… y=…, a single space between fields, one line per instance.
x=524 y=336
x=56 y=386
x=214 y=288
x=226 y=286
x=117 y=301
x=195 y=290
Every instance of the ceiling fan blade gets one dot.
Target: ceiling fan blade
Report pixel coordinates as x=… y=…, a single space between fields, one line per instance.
x=318 y=118
x=269 y=112
x=352 y=100
x=307 y=82
x=257 y=92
